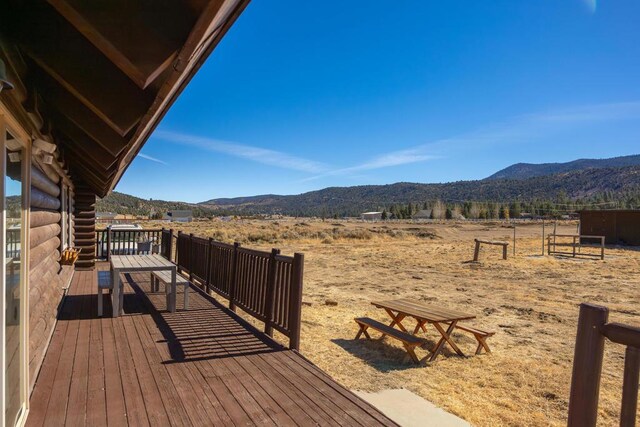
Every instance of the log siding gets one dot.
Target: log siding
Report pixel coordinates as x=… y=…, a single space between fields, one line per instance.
x=47 y=278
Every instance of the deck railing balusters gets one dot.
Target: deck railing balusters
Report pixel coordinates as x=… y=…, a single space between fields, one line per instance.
x=266 y=285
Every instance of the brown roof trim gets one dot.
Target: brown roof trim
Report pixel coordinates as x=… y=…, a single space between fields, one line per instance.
x=201 y=42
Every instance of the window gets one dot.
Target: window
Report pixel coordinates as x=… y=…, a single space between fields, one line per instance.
x=14 y=195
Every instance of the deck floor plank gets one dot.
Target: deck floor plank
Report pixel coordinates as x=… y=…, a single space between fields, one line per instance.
x=56 y=411
x=96 y=398
x=77 y=404
x=204 y=366
x=114 y=393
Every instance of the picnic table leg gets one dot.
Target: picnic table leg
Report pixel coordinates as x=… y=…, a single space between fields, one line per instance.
x=174 y=291
x=420 y=325
x=397 y=319
x=410 y=350
x=504 y=252
x=482 y=343
x=363 y=330
x=115 y=296
x=476 y=253
x=446 y=337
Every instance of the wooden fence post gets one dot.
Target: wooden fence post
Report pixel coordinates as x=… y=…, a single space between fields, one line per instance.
x=170 y=250
x=271 y=286
x=587 y=366
x=295 y=301
x=178 y=252
x=234 y=271
x=109 y=244
x=630 y=387
x=543 y=237
x=208 y=266
x=190 y=257
x=476 y=251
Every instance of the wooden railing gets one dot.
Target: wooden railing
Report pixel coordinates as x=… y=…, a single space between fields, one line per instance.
x=266 y=285
x=126 y=242
x=593 y=330
x=12 y=243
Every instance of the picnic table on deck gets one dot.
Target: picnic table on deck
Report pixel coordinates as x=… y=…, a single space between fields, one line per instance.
x=137 y=263
x=439 y=317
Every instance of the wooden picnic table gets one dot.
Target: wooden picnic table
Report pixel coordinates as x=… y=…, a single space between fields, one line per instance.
x=137 y=263
x=439 y=317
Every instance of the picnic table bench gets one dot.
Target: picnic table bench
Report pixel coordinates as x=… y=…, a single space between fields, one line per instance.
x=439 y=317
x=164 y=277
x=476 y=253
x=479 y=335
x=410 y=342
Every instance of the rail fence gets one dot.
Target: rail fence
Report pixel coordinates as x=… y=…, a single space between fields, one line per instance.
x=578 y=242
x=593 y=330
x=266 y=285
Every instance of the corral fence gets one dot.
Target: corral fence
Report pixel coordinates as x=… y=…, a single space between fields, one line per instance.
x=266 y=285
x=593 y=330
x=557 y=244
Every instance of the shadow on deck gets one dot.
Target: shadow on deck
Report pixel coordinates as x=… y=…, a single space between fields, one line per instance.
x=204 y=366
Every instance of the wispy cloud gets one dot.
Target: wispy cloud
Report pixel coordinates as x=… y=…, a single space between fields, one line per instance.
x=153 y=159
x=523 y=129
x=256 y=154
x=591 y=5
x=394 y=158
x=519 y=129
x=588 y=113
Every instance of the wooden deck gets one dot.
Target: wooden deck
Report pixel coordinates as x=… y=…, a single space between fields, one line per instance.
x=204 y=366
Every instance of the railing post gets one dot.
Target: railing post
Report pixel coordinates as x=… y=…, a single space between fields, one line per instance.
x=271 y=286
x=208 y=266
x=295 y=301
x=630 y=387
x=178 y=251
x=191 y=251
x=234 y=274
x=108 y=244
x=587 y=366
x=170 y=248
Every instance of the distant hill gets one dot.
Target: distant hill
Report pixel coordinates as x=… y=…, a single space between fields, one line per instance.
x=125 y=204
x=574 y=184
x=530 y=170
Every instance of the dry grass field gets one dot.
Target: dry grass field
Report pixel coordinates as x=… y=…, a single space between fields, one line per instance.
x=530 y=301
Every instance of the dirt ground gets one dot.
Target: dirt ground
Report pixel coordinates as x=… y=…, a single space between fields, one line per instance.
x=530 y=301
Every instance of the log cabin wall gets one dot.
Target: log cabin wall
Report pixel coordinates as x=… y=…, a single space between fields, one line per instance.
x=48 y=280
x=85 y=226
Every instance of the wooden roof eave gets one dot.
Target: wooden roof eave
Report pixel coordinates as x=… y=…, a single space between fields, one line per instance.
x=204 y=37
x=78 y=78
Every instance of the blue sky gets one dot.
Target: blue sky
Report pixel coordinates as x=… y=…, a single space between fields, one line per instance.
x=302 y=95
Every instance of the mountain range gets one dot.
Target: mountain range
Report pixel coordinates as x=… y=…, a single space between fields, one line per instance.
x=530 y=170
x=585 y=179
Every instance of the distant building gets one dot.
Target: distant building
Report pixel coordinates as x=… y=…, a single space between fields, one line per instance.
x=179 y=216
x=617 y=226
x=371 y=216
